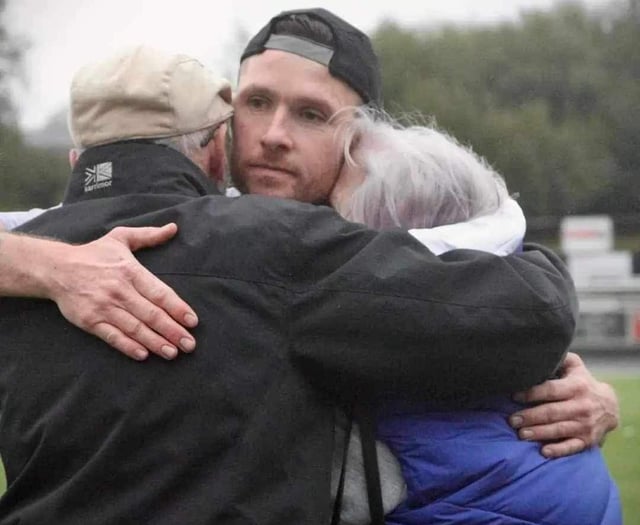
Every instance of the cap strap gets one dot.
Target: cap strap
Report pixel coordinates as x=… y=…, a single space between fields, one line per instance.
x=301 y=46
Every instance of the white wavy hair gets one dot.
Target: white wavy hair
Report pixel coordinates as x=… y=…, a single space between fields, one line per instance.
x=416 y=176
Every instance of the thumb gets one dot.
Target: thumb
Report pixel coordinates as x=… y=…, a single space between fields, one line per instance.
x=145 y=237
x=572 y=361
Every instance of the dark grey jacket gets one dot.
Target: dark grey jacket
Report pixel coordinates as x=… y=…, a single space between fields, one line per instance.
x=298 y=309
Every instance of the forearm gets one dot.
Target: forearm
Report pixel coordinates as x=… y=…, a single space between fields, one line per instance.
x=28 y=264
x=470 y=354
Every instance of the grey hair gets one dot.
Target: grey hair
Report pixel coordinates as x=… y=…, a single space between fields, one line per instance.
x=189 y=143
x=416 y=176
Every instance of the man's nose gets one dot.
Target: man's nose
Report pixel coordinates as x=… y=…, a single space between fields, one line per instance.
x=277 y=136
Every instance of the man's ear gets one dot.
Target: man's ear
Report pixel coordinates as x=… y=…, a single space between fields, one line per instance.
x=355 y=143
x=74 y=155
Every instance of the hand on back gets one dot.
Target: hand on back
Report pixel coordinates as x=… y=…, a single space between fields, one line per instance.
x=102 y=288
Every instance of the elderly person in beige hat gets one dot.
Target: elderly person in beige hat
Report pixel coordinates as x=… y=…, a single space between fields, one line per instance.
x=140 y=95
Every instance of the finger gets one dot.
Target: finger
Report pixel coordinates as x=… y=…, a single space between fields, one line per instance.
x=155 y=318
x=135 y=329
x=572 y=360
x=543 y=414
x=116 y=339
x=146 y=237
x=563 y=448
x=170 y=308
x=550 y=390
x=552 y=431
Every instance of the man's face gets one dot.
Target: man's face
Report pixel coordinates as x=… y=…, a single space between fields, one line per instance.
x=283 y=143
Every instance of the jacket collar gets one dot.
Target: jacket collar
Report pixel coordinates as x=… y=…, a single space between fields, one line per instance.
x=132 y=167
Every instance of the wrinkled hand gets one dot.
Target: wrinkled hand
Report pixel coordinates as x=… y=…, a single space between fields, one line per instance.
x=576 y=411
x=101 y=288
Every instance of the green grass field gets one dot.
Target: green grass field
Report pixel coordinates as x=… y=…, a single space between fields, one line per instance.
x=622 y=449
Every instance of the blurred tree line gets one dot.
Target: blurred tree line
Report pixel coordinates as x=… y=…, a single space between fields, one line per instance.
x=29 y=176
x=552 y=100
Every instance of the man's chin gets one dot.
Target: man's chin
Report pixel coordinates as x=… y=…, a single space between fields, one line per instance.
x=278 y=187
x=272 y=191
x=269 y=186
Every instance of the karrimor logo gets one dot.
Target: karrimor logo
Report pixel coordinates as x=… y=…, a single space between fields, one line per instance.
x=98 y=176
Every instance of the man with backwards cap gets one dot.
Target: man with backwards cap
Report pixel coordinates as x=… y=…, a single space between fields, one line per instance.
x=282 y=149
x=285 y=142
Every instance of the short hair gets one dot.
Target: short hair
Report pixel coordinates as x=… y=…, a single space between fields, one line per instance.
x=416 y=176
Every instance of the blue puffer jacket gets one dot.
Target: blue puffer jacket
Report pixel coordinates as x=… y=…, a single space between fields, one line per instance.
x=468 y=467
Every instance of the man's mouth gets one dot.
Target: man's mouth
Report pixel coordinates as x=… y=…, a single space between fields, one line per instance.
x=270 y=170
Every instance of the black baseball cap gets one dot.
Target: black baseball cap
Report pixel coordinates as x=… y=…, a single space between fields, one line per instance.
x=350 y=58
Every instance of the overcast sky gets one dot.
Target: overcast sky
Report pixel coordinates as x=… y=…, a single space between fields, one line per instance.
x=64 y=34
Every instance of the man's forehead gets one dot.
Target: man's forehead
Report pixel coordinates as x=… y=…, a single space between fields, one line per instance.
x=273 y=62
x=288 y=74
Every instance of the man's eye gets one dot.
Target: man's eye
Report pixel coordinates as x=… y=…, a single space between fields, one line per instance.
x=312 y=116
x=257 y=102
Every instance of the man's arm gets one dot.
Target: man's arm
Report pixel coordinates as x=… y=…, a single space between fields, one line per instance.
x=101 y=288
x=396 y=320
x=575 y=411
